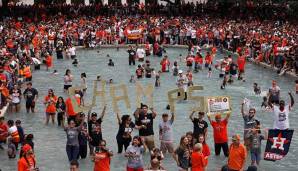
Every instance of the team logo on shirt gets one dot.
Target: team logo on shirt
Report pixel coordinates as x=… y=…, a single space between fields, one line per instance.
x=278 y=144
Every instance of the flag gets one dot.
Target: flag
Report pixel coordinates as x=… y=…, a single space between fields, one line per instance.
x=278 y=144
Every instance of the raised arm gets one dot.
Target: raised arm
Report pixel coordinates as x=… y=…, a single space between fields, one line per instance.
x=292 y=99
x=228 y=116
x=242 y=110
x=154 y=114
x=209 y=117
x=118 y=118
x=103 y=112
x=191 y=115
x=136 y=113
x=172 y=117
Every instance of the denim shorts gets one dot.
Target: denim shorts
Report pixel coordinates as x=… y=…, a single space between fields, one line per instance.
x=255 y=156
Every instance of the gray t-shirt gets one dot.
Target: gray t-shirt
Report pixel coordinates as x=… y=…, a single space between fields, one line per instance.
x=166 y=131
x=183 y=157
x=255 y=142
x=249 y=123
x=137 y=160
x=72 y=136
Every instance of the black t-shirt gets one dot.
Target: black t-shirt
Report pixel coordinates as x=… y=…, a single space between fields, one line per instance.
x=30 y=94
x=233 y=69
x=96 y=137
x=148 y=122
x=124 y=132
x=148 y=72
x=92 y=125
x=131 y=53
x=199 y=127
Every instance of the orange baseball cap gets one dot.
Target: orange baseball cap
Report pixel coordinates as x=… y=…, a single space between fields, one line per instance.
x=26 y=148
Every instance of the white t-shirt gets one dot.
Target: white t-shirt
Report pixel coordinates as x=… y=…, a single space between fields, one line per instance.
x=141 y=53
x=166 y=131
x=281 y=118
x=72 y=51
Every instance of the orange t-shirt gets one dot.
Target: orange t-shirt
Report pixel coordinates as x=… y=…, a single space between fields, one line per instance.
x=220 y=131
x=198 y=161
x=51 y=104
x=23 y=165
x=237 y=157
x=102 y=164
x=49 y=61
x=69 y=108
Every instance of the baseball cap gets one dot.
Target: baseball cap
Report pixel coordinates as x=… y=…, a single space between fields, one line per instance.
x=180 y=71
x=236 y=137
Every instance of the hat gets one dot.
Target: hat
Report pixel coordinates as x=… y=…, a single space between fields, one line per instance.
x=93 y=114
x=236 y=137
x=26 y=148
x=180 y=71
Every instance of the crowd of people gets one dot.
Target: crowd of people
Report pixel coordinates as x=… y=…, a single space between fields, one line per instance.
x=29 y=41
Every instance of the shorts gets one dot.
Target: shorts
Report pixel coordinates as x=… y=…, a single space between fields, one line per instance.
x=49 y=114
x=73 y=56
x=66 y=87
x=30 y=104
x=149 y=141
x=28 y=79
x=166 y=146
x=134 y=169
x=255 y=156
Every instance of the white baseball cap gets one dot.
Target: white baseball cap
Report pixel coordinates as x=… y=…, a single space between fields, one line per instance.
x=180 y=71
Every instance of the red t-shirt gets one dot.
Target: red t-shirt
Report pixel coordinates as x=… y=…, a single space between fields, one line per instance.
x=102 y=164
x=241 y=63
x=51 y=104
x=3 y=132
x=69 y=108
x=206 y=149
x=198 y=161
x=220 y=131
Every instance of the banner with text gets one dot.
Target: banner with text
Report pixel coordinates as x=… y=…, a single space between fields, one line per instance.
x=278 y=144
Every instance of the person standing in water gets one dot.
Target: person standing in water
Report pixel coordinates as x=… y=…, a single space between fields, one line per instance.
x=30 y=95
x=220 y=133
x=50 y=102
x=131 y=55
x=126 y=127
x=68 y=78
x=281 y=113
x=182 y=83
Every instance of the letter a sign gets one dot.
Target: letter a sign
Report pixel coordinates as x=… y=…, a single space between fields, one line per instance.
x=278 y=144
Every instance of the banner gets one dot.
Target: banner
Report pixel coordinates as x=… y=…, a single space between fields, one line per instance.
x=218 y=104
x=278 y=144
x=134 y=34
